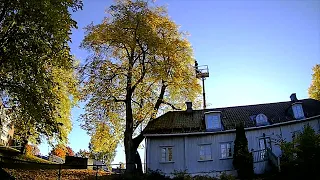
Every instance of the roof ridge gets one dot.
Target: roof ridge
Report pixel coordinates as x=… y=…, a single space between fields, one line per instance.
x=242 y=105
x=258 y=104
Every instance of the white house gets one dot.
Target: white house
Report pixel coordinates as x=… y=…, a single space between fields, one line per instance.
x=201 y=142
x=6 y=126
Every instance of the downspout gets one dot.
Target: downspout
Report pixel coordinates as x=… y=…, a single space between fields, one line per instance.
x=146 y=155
x=185 y=153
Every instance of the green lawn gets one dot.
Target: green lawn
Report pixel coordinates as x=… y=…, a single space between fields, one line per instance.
x=31 y=158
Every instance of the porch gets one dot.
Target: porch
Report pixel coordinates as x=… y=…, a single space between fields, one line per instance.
x=264 y=160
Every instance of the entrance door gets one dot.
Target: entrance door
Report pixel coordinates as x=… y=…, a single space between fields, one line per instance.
x=265 y=143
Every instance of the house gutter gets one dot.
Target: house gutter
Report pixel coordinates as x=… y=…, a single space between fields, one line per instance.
x=233 y=130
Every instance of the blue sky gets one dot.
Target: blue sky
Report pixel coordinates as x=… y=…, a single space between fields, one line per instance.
x=257 y=51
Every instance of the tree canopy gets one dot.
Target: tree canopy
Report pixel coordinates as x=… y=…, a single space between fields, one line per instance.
x=314 y=89
x=62 y=151
x=140 y=66
x=36 y=68
x=103 y=144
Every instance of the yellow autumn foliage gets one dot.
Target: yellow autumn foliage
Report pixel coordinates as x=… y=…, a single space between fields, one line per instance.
x=314 y=89
x=140 y=66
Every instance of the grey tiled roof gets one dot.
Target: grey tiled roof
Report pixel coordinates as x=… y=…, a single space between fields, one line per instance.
x=183 y=122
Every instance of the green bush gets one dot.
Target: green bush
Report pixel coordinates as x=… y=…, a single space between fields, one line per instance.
x=301 y=157
x=154 y=175
x=198 y=177
x=181 y=175
x=225 y=176
x=151 y=175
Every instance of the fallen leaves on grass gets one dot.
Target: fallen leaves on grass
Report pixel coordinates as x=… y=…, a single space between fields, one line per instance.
x=50 y=174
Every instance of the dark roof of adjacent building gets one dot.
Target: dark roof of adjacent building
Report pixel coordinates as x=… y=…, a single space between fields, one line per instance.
x=185 y=122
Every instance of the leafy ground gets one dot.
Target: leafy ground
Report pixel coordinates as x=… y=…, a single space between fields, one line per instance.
x=49 y=174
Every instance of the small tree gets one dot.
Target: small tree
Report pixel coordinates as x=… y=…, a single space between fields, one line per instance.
x=242 y=158
x=32 y=150
x=59 y=150
x=83 y=153
x=69 y=151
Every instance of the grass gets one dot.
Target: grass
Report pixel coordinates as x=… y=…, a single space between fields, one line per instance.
x=31 y=158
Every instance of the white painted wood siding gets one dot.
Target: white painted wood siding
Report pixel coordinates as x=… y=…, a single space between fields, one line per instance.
x=186 y=151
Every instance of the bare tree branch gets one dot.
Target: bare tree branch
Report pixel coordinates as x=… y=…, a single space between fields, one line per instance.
x=159 y=100
x=139 y=104
x=172 y=106
x=118 y=100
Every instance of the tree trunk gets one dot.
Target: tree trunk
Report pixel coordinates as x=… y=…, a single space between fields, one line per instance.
x=130 y=153
x=128 y=140
x=24 y=146
x=138 y=163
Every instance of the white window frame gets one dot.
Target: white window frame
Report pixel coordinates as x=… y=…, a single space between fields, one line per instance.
x=166 y=154
x=213 y=120
x=205 y=152
x=266 y=143
x=261 y=119
x=226 y=153
x=298 y=111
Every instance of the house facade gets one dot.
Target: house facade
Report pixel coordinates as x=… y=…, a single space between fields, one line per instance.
x=200 y=142
x=6 y=126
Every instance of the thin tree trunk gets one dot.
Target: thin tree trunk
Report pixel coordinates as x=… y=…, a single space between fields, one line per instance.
x=24 y=146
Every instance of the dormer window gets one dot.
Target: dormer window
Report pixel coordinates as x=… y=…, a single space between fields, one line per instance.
x=297 y=111
x=261 y=120
x=213 y=121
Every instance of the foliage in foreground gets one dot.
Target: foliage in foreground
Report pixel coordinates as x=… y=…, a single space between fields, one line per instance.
x=301 y=157
x=242 y=158
x=140 y=66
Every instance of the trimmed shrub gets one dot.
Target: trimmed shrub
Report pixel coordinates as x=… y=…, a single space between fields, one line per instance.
x=242 y=158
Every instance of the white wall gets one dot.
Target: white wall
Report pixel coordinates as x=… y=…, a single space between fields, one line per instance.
x=186 y=148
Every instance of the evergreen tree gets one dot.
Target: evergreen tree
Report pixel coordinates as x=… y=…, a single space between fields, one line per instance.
x=242 y=158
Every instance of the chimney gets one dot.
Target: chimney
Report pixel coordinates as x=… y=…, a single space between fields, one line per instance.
x=293 y=97
x=189 y=107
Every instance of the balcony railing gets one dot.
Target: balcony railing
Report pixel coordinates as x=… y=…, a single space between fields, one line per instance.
x=260 y=155
x=275 y=160
x=202 y=71
x=266 y=155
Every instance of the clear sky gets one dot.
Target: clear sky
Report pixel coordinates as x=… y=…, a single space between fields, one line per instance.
x=257 y=51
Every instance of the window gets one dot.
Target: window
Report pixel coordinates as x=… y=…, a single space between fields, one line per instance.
x=261 y=119
x=226 y=150
x=298 y=111
x=166 y=154
x=264 y=143
x=213 y=121
x=205 y=152
x=295 y=135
